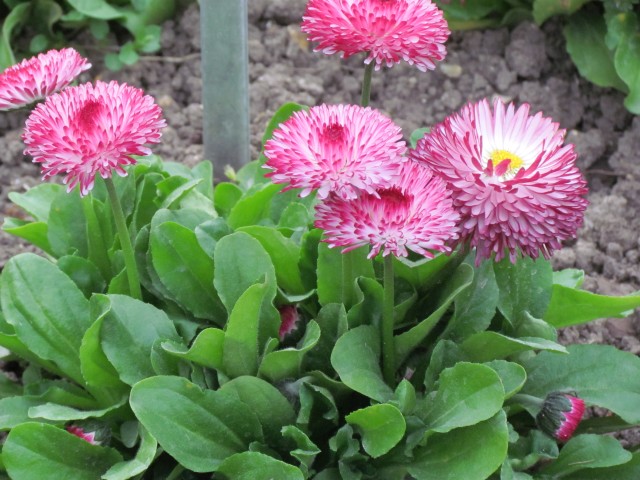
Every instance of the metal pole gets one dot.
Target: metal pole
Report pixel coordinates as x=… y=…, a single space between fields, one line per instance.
x=225 y=82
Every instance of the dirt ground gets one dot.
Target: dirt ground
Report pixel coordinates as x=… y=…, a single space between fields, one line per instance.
x=525 y=64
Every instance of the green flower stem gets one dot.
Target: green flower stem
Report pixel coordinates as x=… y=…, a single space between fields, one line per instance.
x=366 y=84
x=97 y=249
x=347 y=280
x=125 y=241
x=529 y=402
x=388 y=348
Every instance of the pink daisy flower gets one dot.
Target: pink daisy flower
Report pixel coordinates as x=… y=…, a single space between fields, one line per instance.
x=88 y=130
x=387 y=30
x=514 y=183
x=415 y=214
x=342 y=149
x=35 y=78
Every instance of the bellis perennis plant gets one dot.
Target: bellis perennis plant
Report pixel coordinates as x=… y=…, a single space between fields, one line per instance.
x=346 y=307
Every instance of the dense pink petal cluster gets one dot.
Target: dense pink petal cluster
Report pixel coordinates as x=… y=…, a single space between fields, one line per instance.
x=344 y=149
x=515 y=184
x=88 y=130
x=414 y=214
x=35 y=78
x=387 y=30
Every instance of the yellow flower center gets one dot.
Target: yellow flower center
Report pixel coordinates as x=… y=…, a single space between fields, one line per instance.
x=499 y=156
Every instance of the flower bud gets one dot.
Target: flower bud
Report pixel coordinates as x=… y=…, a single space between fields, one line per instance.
x=560 y=415
x=96 y=433
x=289 y=321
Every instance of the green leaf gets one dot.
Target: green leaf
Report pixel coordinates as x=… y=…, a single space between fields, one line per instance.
x=278 y=365
x=306 y=451
x=368 y=303
x=468 y=393
x=83 y=273
x=37 y=450
x=226 y=195
x=601 y=374
x=573 y=307
x=544 y=9
x=627 y=63
x=469 y=453
x=46 y=309
x=284 y=253
x=96 y=368
x=17 y=17
x=475 y=306
x=96 y=9
x=329 y=271
x=417 y=135
x=487 y=346
x=423 y=273
x=381 y=427
x=241 y=346
x=199 y=428
x=206 y=349
x=129 y=330
x=35 y=233
x=67 y=226
x=240 y=261
x=63 y=413
x=585 y=36
x=525 y=287
x=270 y=406
x=15 y=410
x=361 y=372
x=253 y=208
x=513 y=376
x=37 y=200
x=332 y=320
x=210 y=232
x=587 y=451
x=185 y=270
x=406 y=342
x=255 y=465
x=626 y=471
x=137 y=465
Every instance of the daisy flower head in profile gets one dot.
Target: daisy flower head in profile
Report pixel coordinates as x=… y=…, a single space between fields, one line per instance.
x=414 y=214
x=35 y=78
x=344 y=149
x=388 y=31
x=514 y=181
x=88 y=130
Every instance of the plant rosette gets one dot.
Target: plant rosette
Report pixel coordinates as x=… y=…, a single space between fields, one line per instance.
x=344 y=306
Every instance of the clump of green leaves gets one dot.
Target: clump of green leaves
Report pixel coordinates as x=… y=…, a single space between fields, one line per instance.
x=602 y=36
x=54 y=23
x=195 y=378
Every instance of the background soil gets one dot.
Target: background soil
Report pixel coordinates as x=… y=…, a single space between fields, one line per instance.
x=525 y=64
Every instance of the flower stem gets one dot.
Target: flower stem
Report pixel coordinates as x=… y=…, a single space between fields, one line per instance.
x=97 y=249
x=125 y=241
x=366 y=84
x=388 y=348
x=347 y=273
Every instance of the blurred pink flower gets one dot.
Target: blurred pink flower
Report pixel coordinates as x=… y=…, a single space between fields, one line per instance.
x=289 y=318
x=388 y=31
x=515 y=184
x=35 y=78
x=88 y=130
x=342 y=149
x=416 y=214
